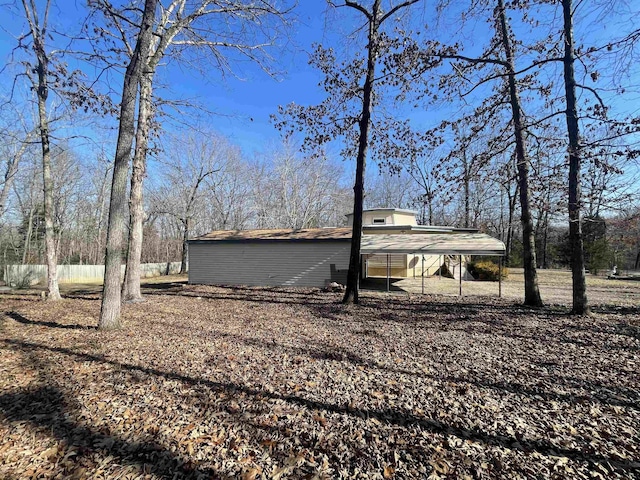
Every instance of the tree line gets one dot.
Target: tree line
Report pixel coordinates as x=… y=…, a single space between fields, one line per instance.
x=199 y=182
x=506 y=123
x=517 y=83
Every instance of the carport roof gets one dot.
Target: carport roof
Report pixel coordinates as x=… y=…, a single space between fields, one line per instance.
x=433 y=244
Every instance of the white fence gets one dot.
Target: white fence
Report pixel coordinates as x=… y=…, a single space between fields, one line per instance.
x=24 y=275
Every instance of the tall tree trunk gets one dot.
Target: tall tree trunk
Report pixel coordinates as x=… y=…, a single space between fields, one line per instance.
x=185 y=245
x=53 y=293
x=101 y=198
x=353 y=274
x=131 y=285
x=467 y=189
x=27 y=238
x=537 y=229
x=531 y=290
x=110 y=308
x=501 y=223
x=38 y=27
x=512 y=211
x=545 y=238
x=580 y=303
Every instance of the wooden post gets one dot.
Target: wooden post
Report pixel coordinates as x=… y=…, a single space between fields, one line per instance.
x=422 y=274
x=388 y=270
x=500 y=278
x=460 y=271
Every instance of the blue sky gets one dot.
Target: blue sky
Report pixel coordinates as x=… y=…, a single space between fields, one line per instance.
x=243 y=106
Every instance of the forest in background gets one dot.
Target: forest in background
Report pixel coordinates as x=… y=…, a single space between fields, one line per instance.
x=286 y=190
x=460 y=171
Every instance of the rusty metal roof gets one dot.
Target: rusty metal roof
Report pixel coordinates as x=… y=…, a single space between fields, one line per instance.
x=284 y=234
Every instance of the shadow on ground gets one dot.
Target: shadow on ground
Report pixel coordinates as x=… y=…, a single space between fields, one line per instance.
x=26 y=321
x=45 y=407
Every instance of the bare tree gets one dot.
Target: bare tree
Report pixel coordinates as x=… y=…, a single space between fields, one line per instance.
x=205 y=29
x=531 y=291
x=110 y=308
x=589 y=117
x=187 y=165
x=499 y=57
x=351 y=87
x=38 y=24
x=230 y=192
x=580 y=302
x=374 y=19
x=25 y=189
x=57 y=90
x=388 y=189
x=14 y=146
x=303 y=187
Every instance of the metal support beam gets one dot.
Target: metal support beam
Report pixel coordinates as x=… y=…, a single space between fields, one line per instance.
x=460 y=271
x=500 y=278
x=422 y=274
x=388 y=270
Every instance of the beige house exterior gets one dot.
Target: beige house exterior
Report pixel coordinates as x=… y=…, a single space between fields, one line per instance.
x=393 y=245
x=395 y=221
x=386 y=216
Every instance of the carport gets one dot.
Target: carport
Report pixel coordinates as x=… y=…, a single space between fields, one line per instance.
x=460 y=244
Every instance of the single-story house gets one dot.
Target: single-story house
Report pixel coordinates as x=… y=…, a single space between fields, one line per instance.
x=395 y=221
x=392 y=245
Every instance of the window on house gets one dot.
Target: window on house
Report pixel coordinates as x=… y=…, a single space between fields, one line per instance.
x=378 y=221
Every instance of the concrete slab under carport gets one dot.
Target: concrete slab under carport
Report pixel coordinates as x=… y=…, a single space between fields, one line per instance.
x=434 y=285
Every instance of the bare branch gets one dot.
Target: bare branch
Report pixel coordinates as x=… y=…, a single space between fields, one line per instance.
x=595 y=94
x=360 y=8
x=396 y=8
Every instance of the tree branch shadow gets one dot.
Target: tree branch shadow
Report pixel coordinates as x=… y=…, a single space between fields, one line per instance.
x=48 y=408
x=394 y=417
x=27 y=321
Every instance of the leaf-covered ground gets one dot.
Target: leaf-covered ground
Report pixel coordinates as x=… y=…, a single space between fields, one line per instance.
x=211 y=382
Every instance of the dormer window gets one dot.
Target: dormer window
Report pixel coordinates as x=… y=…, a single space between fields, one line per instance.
x=379 y=221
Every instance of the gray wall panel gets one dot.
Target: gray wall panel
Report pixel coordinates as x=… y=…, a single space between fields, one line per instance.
x=294 y=264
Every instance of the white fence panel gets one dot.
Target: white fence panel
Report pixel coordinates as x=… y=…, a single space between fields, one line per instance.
x=23 y=275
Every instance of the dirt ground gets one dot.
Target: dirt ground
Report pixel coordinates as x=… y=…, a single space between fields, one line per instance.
x=252 y=383
x=555 y=288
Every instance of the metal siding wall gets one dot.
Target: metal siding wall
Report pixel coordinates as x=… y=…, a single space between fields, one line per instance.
x=294 y=264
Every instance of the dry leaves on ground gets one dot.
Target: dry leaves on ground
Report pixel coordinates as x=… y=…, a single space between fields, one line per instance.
x=212 y=382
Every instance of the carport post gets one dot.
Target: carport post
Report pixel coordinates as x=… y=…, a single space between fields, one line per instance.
x=388 y=271
x=500 y=278
x=423 y=273
x=460 y=266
